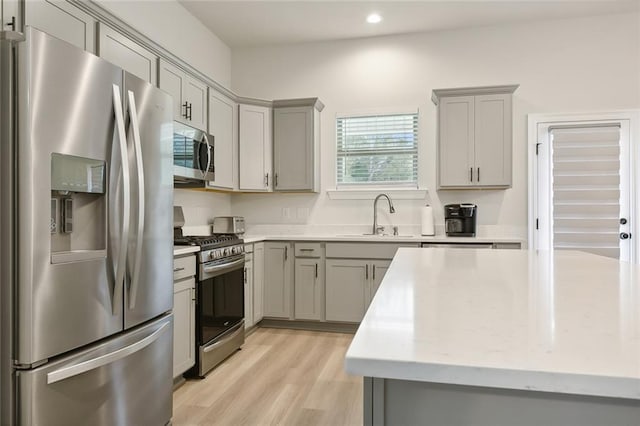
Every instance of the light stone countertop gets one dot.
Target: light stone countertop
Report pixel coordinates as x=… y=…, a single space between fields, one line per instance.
x=182 y=250
x=248 y=239
x=566 y=322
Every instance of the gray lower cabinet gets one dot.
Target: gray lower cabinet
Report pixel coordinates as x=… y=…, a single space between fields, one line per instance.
x=248 y=286
x=309 y=282
x=127 y=54
x=350 y=287
x=258 y=282
x=63 y=20
x=184 y=308
x=278 y=274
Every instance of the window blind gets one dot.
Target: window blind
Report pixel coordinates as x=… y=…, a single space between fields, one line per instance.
x=377 y=149
x=586 y=189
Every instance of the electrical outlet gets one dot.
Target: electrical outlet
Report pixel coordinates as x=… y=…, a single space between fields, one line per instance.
x=286 y=213
x=303 y=212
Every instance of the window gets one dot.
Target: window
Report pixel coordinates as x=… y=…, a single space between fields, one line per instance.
x=377 y=150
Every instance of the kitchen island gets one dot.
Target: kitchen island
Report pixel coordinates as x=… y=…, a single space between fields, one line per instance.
x=501 y=337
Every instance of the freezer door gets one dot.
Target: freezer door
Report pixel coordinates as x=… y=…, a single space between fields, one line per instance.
x=149 y=122
x=67 y=292
x=125 y=381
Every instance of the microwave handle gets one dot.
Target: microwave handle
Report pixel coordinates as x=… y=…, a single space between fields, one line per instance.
x=206 y=140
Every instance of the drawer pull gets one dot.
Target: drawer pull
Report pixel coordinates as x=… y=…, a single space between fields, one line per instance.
x=306 y=249
x=178 y=269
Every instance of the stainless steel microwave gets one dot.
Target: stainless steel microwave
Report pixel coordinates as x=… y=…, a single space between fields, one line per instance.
x=192 y=156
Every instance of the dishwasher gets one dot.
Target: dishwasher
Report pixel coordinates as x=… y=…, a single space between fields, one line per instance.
x=458 y=245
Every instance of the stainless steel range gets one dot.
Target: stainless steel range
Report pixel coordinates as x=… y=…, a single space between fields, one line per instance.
x=219 y=299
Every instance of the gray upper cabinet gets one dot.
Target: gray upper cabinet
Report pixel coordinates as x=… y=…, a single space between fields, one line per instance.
x=223 y=125
x=63 y=20
x=296 y=145
x=189 y=95
x=255 y=148
x=127 y=54
x=474 y=137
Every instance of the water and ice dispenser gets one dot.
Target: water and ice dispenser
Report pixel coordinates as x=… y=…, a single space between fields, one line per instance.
x=78 y=221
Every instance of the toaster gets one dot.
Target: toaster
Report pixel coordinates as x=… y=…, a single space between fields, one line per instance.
x=228 y=225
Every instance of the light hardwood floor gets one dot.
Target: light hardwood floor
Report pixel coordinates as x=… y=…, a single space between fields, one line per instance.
x=284 y=377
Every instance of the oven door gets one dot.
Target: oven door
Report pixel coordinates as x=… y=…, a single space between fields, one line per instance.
x=220 y=298
x=192 y=154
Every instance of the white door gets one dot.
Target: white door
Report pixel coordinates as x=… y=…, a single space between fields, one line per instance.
x=583 y=187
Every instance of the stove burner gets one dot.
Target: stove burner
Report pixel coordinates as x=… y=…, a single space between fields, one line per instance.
x=208 y=241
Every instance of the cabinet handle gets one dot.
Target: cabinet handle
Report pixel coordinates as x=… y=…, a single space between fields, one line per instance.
x=286 y=252
x=12 y=24
x=186 y=108
x=471 y=174
x=189 y=111
x=366 y=272
x=316 y=270
x=178 y=269
x=478 y=177
x=275 y=180
x=266 y=179
x=374 y=272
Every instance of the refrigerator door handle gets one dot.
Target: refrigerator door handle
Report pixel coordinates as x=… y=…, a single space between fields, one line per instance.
x=133 y=115
x=92 y=364
x=122 y=252
x=206 y=140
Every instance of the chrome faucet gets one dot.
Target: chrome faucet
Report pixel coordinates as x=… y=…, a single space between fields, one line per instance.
x=379 y=229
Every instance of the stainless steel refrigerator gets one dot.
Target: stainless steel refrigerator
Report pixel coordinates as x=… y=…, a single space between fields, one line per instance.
x=86 y=191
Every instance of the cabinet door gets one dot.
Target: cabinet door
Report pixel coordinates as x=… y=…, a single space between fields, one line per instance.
x=62 y=20
x=171 y=80
x=255 y=148
x=455 y=144
x=293 y=149
x=378 y=270
x=258 y=282
x=277 y=283
x=248 y=292
x=308 y=289
x=346 y=284
x=127 y=54
x=223 y=124
x=493 y=140
x=183 y=325
x=195 y=93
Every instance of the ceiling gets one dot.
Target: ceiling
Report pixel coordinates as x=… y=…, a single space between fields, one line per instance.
x=242 y=23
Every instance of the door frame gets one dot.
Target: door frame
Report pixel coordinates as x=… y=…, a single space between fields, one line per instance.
x=630 y=116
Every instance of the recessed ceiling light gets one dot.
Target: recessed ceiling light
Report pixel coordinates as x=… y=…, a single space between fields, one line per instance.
x=374 y=18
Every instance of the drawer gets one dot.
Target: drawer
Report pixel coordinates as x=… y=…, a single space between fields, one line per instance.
x=184 y=267
x=248 y=248
x=308 y=250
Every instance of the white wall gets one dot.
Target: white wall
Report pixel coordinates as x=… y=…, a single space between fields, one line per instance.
x=170 y=25
x=562 y=66
x=200 y=207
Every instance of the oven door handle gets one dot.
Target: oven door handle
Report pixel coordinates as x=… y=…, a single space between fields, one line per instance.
x=219 y=269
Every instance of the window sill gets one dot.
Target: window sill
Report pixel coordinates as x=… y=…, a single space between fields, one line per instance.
x=372 y=193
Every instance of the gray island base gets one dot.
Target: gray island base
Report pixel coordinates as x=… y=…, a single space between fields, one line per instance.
x=405 y=402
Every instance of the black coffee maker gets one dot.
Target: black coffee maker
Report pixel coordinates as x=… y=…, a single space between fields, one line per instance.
x=460 y=220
